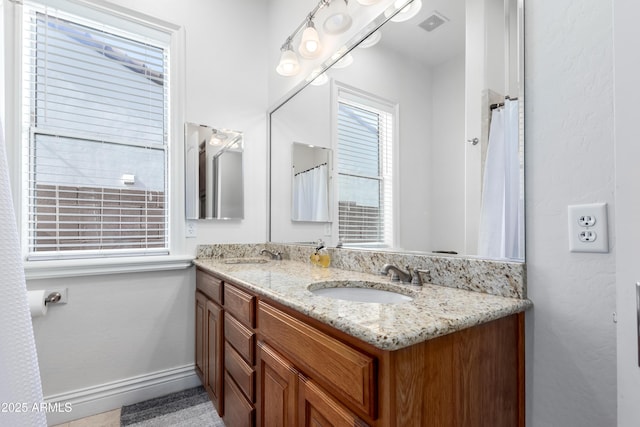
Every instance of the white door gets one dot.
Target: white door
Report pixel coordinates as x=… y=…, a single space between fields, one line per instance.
x=627 y=215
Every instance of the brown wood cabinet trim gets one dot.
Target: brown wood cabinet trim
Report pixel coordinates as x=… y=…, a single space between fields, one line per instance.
x=238 y=411
x=243 y=374
x=241 y=338
x=521 y=371
x=313 y=399
x=272 y=366
x=241 y=304
x=201 y=336
x=348 y=373
x=215 y=355
x=209 y=285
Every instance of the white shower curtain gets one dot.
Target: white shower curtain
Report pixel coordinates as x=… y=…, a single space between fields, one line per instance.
x=310 y=195
x=502 y=212
x=20 y=387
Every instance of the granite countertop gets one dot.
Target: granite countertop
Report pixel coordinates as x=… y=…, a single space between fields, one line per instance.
x=434 y=310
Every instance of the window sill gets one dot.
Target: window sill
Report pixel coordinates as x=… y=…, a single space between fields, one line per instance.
x=92 y=267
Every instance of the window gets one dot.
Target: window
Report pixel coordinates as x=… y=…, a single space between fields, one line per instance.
x=95 y=137
x=365 y=187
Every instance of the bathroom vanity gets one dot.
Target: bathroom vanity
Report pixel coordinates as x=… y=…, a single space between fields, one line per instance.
x=270 y=352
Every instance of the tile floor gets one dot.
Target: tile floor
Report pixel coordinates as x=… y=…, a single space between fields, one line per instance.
x=106 y=419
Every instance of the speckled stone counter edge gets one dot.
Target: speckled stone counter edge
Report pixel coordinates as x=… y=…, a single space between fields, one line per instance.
x=502 y=278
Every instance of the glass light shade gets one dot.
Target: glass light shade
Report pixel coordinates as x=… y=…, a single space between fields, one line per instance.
x=407 y=12
x=310 y=43
x=339 y=19
x=344 y=62
x=320 y=80
x=288 y=65
x=372 y=40
x=368 y=2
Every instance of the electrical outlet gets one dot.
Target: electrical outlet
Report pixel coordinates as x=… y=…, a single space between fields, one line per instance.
x=190 y=230
x=586 y=220
x=588 y=228
x=587 y=236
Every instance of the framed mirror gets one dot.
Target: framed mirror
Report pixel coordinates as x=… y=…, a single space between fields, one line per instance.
x=447 y=84
x=214 y=186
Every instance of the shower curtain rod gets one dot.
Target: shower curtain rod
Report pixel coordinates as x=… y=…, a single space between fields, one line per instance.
x=310 y=169
x=501 y=104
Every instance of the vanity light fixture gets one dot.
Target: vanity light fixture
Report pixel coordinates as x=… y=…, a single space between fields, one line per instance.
x=288 y=65
x=339 y=19
x=310 y=44
x=408 y=11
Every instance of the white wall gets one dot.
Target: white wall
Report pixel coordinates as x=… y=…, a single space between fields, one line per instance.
x=124 y=327
x=571 y=341
x=447 y=165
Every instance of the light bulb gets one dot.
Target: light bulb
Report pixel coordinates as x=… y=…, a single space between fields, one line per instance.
x=310 y=42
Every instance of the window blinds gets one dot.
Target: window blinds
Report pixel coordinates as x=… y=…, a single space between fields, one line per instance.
x=365 y=137
x=95 y=113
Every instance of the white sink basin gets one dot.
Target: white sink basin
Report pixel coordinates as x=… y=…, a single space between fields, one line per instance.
x=358 y=292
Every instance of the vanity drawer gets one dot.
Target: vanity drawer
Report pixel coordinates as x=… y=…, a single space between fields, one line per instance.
x=240 y=338
x=241 y=304
x=238 y=411
x=347 y=373
x=243 y=374
x=209 y=285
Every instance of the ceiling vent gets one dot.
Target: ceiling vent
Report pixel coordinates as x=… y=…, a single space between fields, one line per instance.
x=434 y=21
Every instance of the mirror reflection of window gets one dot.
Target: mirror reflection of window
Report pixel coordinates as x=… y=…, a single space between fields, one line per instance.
x=365 y=138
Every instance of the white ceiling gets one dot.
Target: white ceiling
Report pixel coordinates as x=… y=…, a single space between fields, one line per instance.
x=431 y=48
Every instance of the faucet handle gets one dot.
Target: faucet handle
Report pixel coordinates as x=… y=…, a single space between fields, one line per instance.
x=416 y=279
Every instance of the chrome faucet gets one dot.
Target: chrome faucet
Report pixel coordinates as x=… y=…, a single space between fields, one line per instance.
x=274 y=255
x=396 y=273
x=412 y=275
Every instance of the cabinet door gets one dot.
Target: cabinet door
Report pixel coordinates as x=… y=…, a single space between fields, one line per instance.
x=318 y=409
x=201 y=337
x=214 y=373
x=277 y=389
x=238 y=412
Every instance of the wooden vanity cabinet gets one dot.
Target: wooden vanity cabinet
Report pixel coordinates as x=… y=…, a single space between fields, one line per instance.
x=282 y=368
x=470 y=378
x=209 y=336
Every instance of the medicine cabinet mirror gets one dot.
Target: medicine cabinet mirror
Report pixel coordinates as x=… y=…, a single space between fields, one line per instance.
x=214 y=186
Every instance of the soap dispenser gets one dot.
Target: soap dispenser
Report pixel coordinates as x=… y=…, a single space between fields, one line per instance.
x=320 y=255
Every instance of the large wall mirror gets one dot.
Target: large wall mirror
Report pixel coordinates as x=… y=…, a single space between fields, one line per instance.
x=214 y=186
x=424 y=120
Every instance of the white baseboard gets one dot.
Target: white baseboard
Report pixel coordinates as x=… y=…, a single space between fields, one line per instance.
x=106 y=397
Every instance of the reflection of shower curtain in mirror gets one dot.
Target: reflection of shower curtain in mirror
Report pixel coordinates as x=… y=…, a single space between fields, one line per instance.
x=502 y=212
x=310 y=197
